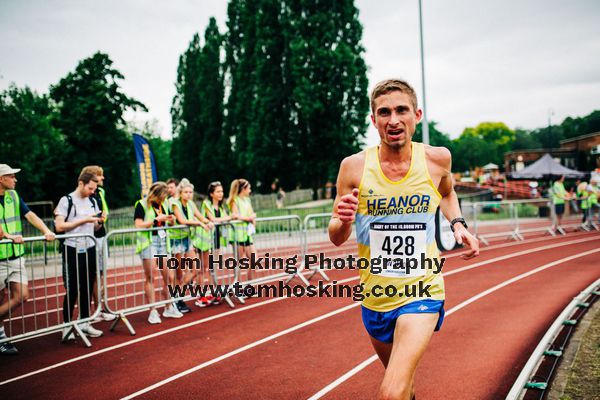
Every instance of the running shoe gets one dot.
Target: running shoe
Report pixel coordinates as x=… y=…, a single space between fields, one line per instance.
x=202 y=302
x=8 y=349
x=182 y=307
x=67 y=334
x=172 y=312
x=154 y=317
x=90 y=331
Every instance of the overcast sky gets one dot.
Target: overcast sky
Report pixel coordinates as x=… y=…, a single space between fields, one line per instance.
x=509 y=61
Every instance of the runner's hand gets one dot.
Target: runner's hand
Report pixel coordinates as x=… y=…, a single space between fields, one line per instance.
x=347 y=206
x=464 y=237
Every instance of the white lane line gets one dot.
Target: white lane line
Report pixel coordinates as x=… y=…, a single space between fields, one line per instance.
x=240 y=350
x=454 y=309
x=153 y=335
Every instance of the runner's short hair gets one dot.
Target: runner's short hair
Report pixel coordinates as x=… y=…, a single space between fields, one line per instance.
x=173 y=180
x=392 y=85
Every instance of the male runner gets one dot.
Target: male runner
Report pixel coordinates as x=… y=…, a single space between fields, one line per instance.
x=392 y=191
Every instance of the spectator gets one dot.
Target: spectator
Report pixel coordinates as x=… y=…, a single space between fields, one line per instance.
x=78 y=213
x=186 y=213
x=153 y=212
x=13 y=274
x=100 y=198
x=559 y=195
x=215 y=210
x=241 y=209
x=280 y=198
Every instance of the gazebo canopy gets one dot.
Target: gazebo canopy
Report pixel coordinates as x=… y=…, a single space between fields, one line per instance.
x=490 y=166
x=545 y=168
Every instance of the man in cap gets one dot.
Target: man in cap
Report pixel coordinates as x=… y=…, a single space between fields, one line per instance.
x=13 y=275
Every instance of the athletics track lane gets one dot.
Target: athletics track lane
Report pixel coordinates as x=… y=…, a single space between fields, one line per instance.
x=126 y=372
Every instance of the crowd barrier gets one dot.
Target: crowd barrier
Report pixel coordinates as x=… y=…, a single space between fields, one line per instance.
x=512 y=218
x=125 y=289
x=129 y=286
x=42 y=304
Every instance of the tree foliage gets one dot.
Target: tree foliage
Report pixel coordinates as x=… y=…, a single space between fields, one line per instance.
x=90 y=107
x=30 y=142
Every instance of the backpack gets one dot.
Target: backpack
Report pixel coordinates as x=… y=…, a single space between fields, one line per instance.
x=61 y=242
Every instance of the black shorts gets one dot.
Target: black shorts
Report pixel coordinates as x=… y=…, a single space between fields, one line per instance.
x=559 y=209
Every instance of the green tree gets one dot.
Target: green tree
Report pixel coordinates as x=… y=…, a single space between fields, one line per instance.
x=472 y=151
x=201 y=148
x=268 y=134
x=496 y=133
x=328 y=76
x=436 y=138
x=240 y=66
x=215 y=152
x=30 y=142
x=90 y=107
x=187 y=127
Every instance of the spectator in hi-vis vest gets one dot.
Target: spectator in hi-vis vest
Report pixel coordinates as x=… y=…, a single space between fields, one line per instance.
x=13 y=275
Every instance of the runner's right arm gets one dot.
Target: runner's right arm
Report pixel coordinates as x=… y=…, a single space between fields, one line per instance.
x=346 y=201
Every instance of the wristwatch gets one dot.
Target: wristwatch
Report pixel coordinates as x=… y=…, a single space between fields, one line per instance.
x=459 y=219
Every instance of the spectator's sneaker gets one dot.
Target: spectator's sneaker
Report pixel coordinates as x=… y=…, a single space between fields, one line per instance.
x=104 y=316
x=154 y=317
x=217 y=300
x=90 y=331
x=8 y=349
x=65 y=332
x=203 y=302
x=108 y=316
x=172 y=312
x=182 y=307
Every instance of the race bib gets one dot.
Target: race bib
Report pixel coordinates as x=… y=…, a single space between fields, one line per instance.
x=162 y=234
x=251 y=229
x=400 y=247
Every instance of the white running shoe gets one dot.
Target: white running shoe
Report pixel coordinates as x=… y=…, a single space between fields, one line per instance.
x=89 y=330
x=65 y=331
x=172 y=312
x=108 y=316
x=154 y=317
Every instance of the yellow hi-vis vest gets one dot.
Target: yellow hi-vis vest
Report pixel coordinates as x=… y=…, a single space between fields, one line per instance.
x=10 y=218
x=143 y=239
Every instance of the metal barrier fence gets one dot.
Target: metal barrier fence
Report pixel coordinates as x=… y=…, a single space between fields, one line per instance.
x=513 y=218
x=129 y=280
x=127 y=287
x=275 y=238
x=317 y=244
x=54 y=292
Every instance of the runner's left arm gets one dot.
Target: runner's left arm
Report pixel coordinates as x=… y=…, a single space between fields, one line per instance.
x=450 y=207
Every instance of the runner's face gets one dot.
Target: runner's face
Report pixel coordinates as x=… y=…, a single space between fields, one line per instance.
x=187 y=194
x=100 y=179
x=395 y=119
x=247 y=190
x=172 y=189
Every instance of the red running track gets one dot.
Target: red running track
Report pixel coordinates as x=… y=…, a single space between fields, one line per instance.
x=477 y=355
